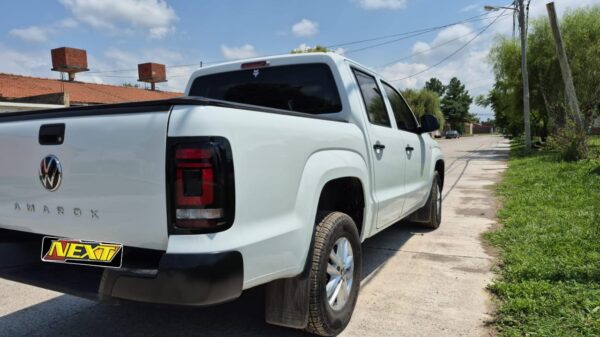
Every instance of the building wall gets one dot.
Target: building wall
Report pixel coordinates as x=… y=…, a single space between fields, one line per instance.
x=15 y=107
x=482 y=129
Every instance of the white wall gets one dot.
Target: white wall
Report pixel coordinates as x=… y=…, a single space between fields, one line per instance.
x=15 y=107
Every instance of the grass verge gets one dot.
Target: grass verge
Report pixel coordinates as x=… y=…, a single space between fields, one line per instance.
x=550 y=246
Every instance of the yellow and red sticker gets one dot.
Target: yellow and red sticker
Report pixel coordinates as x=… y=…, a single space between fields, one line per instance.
x=82 y=252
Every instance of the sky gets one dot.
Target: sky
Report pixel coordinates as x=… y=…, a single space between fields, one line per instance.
x=119 y=34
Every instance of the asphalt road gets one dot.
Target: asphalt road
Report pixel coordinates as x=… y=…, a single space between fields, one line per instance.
x=415 y=282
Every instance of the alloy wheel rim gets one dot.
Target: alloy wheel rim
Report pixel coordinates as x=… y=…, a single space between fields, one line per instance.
x=340 y=274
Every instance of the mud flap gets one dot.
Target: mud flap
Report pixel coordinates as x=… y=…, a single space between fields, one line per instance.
x=287 y=302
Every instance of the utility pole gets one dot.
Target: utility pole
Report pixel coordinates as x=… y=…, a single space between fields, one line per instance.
x=526 y=110
x=564 y=66
x=519 y=7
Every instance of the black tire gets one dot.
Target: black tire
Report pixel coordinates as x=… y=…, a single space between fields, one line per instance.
x=435 y=203
x=323 y=319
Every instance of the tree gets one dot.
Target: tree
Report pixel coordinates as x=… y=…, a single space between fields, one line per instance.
x=131 y=85
x=455 y=104
x=435 y=85
x=315 y=49
x=581 y=33
x=424 y=102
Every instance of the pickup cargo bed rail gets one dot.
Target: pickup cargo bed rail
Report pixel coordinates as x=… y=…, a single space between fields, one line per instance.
x=147 y=106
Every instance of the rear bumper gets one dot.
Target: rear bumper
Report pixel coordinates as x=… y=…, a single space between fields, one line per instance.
x=183 y=279
x=146 y=275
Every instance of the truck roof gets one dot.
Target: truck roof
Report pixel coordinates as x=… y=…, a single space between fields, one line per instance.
x=277 y=60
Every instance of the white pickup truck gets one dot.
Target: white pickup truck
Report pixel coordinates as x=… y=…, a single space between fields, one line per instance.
x=268 y=172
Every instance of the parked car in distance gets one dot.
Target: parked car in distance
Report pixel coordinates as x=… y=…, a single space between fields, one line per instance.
x=437 y=134
x=270 y=171
x=452 y=134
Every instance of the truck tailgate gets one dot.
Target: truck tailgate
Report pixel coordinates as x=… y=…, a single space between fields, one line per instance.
x=112 y=185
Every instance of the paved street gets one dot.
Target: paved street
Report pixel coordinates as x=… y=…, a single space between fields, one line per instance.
x=415 y=282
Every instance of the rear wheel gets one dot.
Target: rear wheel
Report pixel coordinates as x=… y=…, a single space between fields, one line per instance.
x=435 y=203
x=334 y=274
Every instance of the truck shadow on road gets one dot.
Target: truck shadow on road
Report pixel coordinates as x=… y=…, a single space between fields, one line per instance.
x=70 y=316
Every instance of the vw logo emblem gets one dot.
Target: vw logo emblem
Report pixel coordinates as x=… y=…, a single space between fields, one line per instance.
x=50 y=173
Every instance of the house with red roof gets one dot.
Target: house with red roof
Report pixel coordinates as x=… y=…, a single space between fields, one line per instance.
x=19 y=92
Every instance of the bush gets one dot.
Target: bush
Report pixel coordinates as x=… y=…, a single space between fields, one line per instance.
x=570 y=142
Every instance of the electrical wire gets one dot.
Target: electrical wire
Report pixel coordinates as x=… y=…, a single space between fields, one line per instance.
x=432 y=48
x=403 y=36
x=423 y=30
x=396 y=37
x=452 y=54
x=417 y=33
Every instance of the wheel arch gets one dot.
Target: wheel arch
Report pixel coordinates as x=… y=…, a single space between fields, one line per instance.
x=327 y=169
x=324 y=173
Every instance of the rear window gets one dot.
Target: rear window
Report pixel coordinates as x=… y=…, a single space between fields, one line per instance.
x=308 y=88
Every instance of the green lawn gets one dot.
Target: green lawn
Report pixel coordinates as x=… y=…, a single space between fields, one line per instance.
x=550 y=246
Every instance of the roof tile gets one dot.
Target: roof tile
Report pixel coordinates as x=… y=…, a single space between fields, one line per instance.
x=17 y=86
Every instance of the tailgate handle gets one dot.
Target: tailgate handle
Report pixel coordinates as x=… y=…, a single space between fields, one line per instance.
x=52 y=134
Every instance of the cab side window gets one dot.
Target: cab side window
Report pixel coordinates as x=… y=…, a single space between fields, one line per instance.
x=405 y=119
x=373 y=99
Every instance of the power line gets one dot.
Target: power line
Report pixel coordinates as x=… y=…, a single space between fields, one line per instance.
x=452 y=54
x=426 y=50
x=405 y=33
x=431 y=48
x=418 y=33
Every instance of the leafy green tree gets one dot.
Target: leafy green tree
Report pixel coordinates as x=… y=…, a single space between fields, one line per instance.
x=131 y=85
x=581 y=34
x=455 y=104
x=424 y=102
x=435 y=85
x=315 y=49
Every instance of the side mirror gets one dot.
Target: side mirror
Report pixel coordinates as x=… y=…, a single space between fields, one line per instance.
x=428 y=124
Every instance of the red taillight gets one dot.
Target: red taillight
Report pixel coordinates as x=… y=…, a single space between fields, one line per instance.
x=202 y=185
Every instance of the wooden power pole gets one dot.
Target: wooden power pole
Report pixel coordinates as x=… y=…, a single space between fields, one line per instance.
x=564 y=67
x=524 y=72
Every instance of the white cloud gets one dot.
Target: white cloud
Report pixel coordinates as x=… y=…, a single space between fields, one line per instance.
x=155 y=17
x=160 y=32
x=382 y=4
x=33 y=34
x=472 y=7
x=236 y=53
x=122 y=58
x=40 y=34
x=447 y=41
x=305 y=28
x=67 y=23
x=401 y=70
x=33 y=63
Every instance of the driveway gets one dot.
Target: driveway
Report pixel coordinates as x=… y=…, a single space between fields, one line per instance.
x=415 y=282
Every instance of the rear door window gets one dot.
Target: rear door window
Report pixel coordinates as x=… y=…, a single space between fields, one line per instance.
x=308 y=88
x=405 y=119
x=372 y=98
